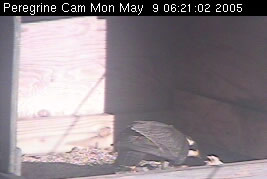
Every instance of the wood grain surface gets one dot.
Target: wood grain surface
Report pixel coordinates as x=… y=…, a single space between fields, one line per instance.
x=61 y=134
x=62 y=67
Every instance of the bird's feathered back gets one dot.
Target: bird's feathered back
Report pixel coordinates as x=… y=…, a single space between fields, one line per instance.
x=169 y=140
x=154 y=138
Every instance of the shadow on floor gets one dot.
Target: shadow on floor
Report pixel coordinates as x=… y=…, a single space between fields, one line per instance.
x=57 y=170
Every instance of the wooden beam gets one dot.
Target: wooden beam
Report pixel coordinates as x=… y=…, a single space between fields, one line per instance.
x=61 y=134
x=8 y=93
x=10 y=176
x=34 y=19
x=252 y=170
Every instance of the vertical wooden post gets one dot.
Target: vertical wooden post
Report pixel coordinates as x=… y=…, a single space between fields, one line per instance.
x=9 y=36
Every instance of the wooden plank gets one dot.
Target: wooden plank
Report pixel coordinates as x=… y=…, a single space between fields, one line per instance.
x=231 y=127
x=8 y=93
x=240 y=170
x=61 y=134
x=31 y=19
x=10 y=176
x=62 y=67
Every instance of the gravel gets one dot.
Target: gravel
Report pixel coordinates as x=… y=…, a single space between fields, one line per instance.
x=78 y=156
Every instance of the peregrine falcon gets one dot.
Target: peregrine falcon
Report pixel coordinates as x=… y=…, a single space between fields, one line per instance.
x=143 y=140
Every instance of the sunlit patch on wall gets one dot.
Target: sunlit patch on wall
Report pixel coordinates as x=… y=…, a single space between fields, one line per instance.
x=62 y=67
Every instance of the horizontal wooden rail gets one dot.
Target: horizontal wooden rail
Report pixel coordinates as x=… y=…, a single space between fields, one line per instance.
x=61 y=134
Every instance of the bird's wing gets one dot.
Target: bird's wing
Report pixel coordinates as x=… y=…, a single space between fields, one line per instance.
x=138 y=143
x=129 y=158
x=169 y=140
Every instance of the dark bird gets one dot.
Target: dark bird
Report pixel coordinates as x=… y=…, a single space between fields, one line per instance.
x=144 y=140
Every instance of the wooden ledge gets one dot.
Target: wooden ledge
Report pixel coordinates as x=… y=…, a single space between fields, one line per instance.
x=249 y=169
x=61 y=134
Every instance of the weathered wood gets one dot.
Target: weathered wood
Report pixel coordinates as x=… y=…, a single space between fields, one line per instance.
x=252 y=170
x=62 y=67
x=61 y=134
x=234 y=128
